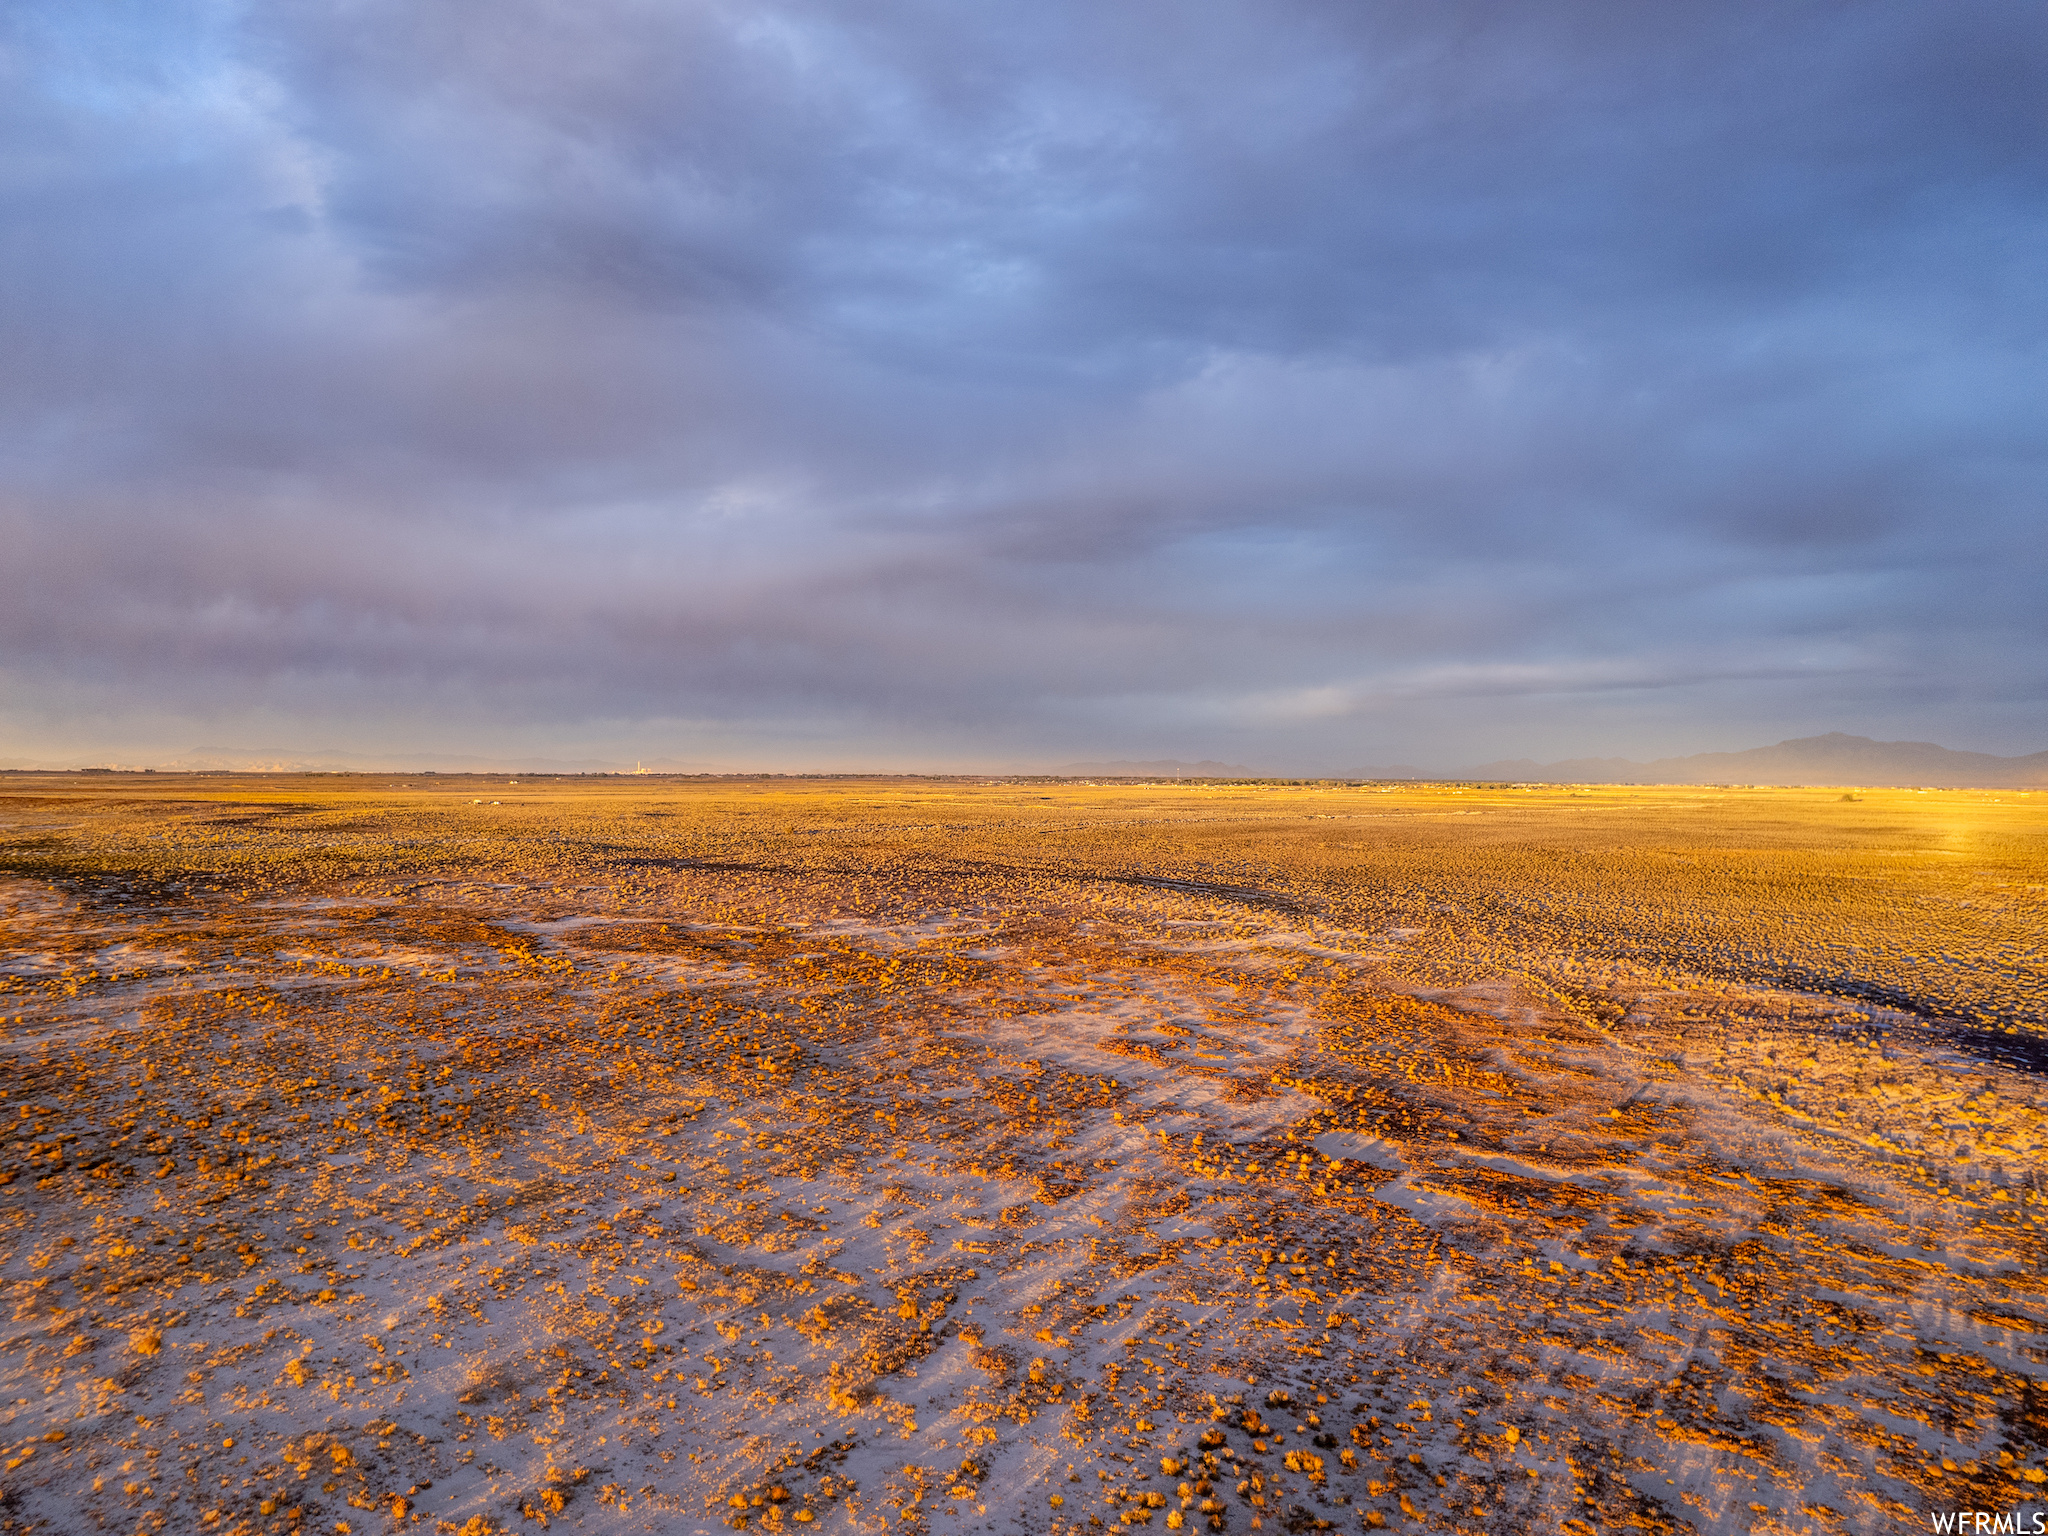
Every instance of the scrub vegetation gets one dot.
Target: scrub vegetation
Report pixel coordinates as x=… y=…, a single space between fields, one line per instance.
x=479 y=1155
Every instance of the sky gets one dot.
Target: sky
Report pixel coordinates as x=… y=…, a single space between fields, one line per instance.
x=912 y=385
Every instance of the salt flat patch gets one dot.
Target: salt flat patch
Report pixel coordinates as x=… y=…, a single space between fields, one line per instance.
x=1136 y=1029
x=142 y=957
x=571 y=922
x=1374 y=1151
x=378 y=956
x=683 y=970
x=29 y=901
x=1425 y=1202
x=1522 y=1168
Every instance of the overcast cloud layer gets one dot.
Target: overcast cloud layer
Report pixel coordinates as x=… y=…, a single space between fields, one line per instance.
x=1298 y=384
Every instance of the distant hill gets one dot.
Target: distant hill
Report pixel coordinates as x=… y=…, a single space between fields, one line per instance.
x=1162 y=770
x=1831 y=759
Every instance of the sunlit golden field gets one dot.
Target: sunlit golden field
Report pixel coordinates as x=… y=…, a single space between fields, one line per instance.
x=674 y=1155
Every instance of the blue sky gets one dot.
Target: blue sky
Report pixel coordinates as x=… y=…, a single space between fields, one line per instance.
x=1302 y=385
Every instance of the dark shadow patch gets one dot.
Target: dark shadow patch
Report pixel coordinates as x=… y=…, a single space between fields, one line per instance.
x=119 y=893
x=708 y=866
x=2027 y=1052
x=1245 y=895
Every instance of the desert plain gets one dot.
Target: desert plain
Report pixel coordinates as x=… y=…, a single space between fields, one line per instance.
x=474 y=1155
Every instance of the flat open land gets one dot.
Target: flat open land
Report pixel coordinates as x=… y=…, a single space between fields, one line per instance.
x=466 y=1155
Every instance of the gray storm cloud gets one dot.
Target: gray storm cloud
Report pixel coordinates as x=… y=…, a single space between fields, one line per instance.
x=1300 y=384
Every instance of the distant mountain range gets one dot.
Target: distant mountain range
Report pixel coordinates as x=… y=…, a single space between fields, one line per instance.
x=1831 y=759
x=1169 y=769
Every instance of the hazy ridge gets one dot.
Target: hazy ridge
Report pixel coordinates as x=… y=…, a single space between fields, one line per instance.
x=1835 y=758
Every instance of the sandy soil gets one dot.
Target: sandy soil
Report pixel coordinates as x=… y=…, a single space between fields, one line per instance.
x=1015 y=1157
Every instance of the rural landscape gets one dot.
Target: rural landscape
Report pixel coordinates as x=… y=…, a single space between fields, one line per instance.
x=1056 y=770
x=496 y=1154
